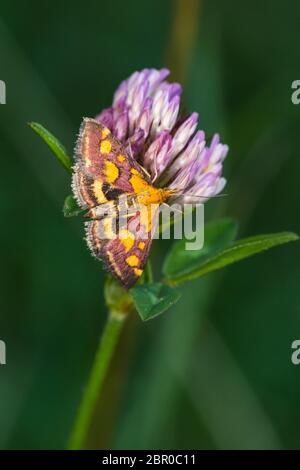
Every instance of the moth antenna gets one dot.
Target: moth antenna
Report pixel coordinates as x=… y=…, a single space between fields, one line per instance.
x=130 y=149
x=155 y=171
x=203 y=195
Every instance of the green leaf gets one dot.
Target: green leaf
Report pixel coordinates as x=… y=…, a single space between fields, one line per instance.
x=57 y=148
x=71 y=208
x=153 y=299
x=217 y=236
x=239 y=250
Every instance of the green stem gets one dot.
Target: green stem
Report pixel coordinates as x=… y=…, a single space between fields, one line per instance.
x=102 y=360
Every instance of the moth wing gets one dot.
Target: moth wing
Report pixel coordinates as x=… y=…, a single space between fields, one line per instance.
x=123 y=245
x=103 y=168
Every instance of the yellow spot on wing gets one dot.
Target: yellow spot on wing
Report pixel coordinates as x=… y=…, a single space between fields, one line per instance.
x=108 y=228
x=127 y=239
x=111 y=171
x=147 y=214
x=105 y=132
x=132 y=261
x=121 y=158
x=98 y=192
x=114 y=264
x=88 y=161
x=134 y=171
x=137 y=271
x=105 y=146
x=141 y=245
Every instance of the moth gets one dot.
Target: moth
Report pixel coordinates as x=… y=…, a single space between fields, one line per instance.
x=121 y=201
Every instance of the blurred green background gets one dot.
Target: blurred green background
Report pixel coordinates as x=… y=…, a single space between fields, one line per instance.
x=215 y=371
